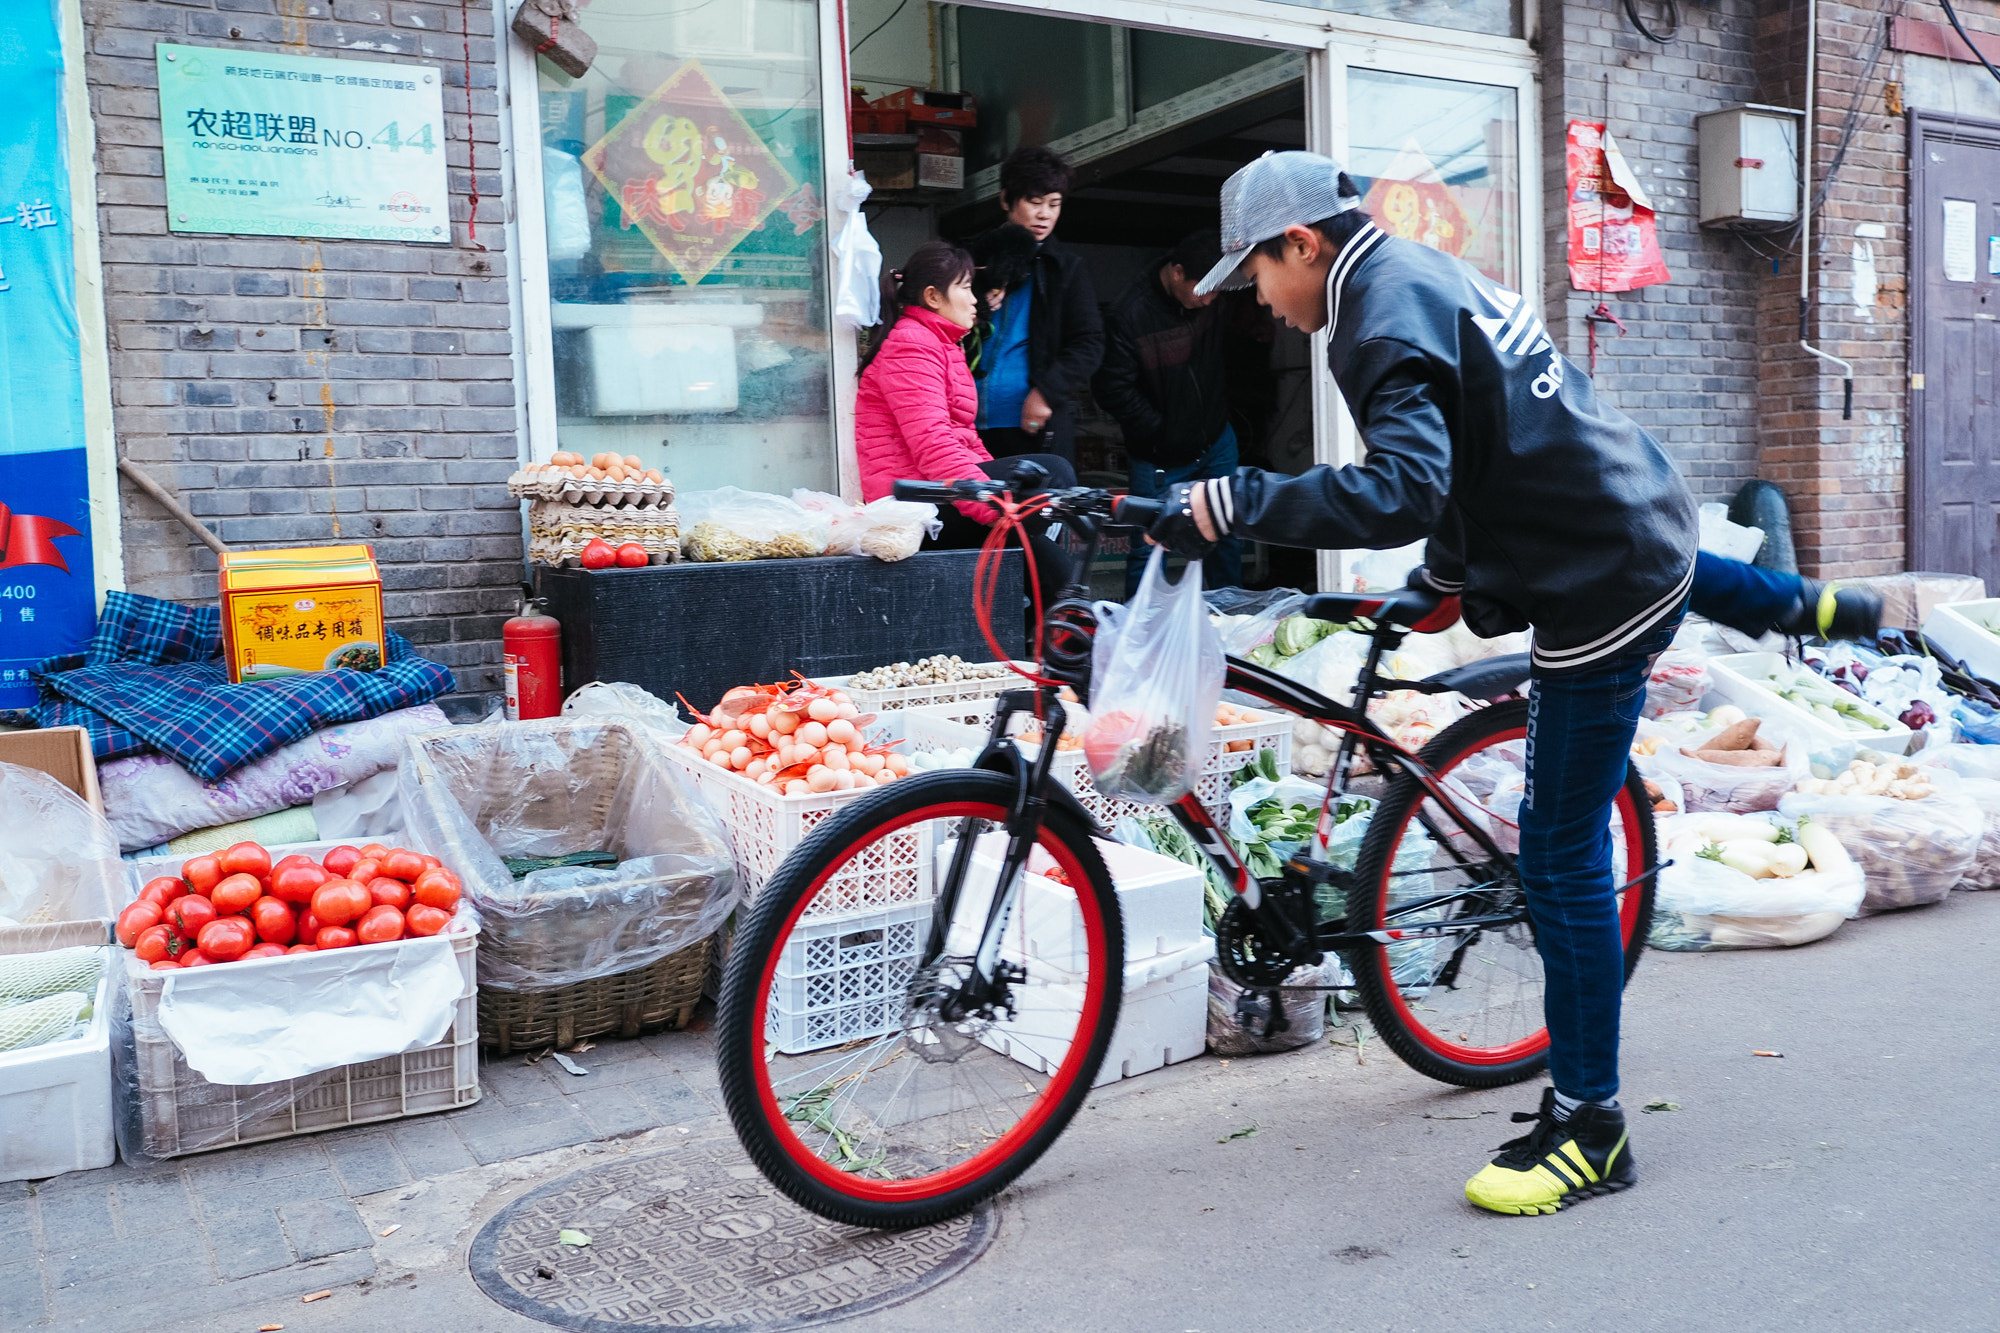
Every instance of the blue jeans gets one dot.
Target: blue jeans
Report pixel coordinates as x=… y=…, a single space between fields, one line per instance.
x=1223 y=567
x=1744 y=597
x=1580 y=730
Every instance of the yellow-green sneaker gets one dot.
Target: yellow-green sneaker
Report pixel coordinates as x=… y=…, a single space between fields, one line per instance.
x=1558 y=1161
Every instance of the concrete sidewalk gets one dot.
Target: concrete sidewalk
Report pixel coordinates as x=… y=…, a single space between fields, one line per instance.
x=1849 y=1185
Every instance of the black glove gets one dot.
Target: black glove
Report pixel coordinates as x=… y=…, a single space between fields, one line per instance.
x=1175 y=529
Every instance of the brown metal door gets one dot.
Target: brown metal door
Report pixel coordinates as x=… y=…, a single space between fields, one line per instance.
x=1954 y=469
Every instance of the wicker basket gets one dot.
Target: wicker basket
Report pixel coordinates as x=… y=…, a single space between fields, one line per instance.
x=646 y=999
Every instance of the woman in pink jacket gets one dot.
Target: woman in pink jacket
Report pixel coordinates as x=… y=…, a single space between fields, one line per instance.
x=916 y=411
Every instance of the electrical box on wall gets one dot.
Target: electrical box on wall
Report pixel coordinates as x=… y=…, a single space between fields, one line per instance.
x=1749 y=166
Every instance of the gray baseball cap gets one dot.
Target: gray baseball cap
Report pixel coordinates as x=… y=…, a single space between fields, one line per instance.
x=1277 y=191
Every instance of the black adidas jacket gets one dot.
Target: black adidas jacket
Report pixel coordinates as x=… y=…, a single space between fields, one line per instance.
x=1543 y=506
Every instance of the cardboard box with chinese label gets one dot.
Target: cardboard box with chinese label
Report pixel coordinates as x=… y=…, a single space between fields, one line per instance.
x=310 y=608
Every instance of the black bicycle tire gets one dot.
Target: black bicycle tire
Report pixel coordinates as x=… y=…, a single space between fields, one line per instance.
x=1372 y=978
x=739 y=1011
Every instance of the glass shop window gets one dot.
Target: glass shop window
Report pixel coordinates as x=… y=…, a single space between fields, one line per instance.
x=685 y=202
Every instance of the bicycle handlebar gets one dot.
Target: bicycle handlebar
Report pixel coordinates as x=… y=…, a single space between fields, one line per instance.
x=1075 y=502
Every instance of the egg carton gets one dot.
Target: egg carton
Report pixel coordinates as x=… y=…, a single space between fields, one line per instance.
x=546 y=483
x=558 y=532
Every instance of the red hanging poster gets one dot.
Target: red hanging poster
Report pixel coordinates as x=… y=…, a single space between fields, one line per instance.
x=1614 y=245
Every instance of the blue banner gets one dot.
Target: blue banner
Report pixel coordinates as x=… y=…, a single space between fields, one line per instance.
x=48 y=589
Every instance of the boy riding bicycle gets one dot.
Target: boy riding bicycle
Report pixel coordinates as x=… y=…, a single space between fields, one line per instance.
x=1543 y=507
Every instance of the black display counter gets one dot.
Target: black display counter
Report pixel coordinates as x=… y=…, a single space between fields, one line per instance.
x=701 y=629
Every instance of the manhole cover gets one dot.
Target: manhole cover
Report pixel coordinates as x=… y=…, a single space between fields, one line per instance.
x=694 y=1237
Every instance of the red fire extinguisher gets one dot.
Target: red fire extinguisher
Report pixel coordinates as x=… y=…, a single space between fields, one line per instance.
x=531 y=649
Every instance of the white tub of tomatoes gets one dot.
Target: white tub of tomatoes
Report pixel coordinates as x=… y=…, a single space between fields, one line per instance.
x=279 y=991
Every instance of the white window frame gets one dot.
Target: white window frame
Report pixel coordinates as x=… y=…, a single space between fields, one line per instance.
x=1332 y=43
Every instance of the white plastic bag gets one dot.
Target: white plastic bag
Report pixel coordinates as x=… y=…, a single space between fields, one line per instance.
x=734 y=524
x=1679 y=681
x=1719 y=536
x=1978 y=770
x=887 y=529
x=1703 y=904
x=58 y=858
x=625 y=702
x=1710 y=786
x=1911 y=851
x=1157 y=670
x=857 y=289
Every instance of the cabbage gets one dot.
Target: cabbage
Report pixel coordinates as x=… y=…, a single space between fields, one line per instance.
x=1298 y=633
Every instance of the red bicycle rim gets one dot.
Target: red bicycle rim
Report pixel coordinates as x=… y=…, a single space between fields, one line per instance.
x=997 y=1153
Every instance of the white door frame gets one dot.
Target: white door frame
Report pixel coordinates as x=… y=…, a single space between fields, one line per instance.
x=1332 y=42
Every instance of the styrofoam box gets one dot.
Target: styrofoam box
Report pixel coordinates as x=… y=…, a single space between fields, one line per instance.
x=182 y=1112
x=1162 y=1020
x=1159 y=899
x=1738 y=679
x=55 y=1099
x=843 y=978
x=1960 y=630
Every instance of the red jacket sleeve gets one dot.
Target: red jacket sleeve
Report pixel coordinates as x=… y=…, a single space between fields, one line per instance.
x=916 y=386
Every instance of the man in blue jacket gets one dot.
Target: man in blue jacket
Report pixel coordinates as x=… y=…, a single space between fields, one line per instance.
x=1543 y=507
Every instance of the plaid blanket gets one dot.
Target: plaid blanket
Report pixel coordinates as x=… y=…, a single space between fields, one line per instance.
x=152 y=679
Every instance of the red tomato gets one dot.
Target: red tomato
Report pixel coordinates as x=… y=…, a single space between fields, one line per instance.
x=274 y=921
x=266 y=951
x=631 y=556
x=246 y=858
x=295 y=859
x=379 y=925
x=422 y=920
x=196 y=958
x=432 y=863
x=191 y=913
x=367 y=868
x=136 y=920
x=295 y=884
x=437 y=888
x=388 y=892
x=153 y=944
x=308 y=924
x=226 y=937
x=340 y=860
x=403 y=865
x=165 y=965
x=202 y=873
x=236 y=893
x=335 y=937
x=597 y=554
x=375 y=850
x=167 y=887
x=339 y=901
x=302 y=948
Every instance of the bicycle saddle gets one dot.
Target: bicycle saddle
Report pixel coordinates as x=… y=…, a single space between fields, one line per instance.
x=1412 y=608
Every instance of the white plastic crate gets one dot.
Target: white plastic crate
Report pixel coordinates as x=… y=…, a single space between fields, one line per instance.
x=1272 y=732
x=1162 y=1020
x=766 y=826
x=55 y=1099
x=1739 y=678
x=1159 y=900
x=1960 y=629
x=843 y=978
x=945 y=692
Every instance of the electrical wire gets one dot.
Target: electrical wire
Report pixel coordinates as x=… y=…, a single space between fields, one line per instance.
x=892 y=18
x=1673 y=20
x=1952 y=14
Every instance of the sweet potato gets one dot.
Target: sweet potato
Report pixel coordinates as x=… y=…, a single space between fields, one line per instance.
x=1739 y=758
x=1736 y=736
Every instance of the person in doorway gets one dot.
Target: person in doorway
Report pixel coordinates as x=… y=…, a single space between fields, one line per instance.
x=1163 y=380
x=1047 y=334
x=914 y=409
x=1543 y=506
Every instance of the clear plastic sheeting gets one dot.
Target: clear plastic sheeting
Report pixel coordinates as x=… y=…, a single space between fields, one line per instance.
x=58 y=858
x=1978 y=770
x=1703 y=904
x=730 y=523
x=1912 y=852
x=1231 y=1033
x=622 y=701
x=1707 y=786
x=555 y=788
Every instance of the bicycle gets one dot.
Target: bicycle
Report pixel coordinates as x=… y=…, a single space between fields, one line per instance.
x=992 y=1005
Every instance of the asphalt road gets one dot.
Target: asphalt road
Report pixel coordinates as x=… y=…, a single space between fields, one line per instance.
x=1850 y=1185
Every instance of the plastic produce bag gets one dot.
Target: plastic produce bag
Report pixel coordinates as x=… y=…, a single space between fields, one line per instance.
x=1978 y=770
x=733 y=524
x=1305 y=1015
x=857 y=291
x=623 y=701
x=1709 y=786
x=58 y=858
x=1679 y=682
x=1911 y=851
x=887 y=529
x=1703 y=904
x=551 y=788
x=1256 y=627
x=1157 y=670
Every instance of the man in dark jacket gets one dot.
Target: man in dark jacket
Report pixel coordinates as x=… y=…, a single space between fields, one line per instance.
x=1047 y=335
x=1163 y=379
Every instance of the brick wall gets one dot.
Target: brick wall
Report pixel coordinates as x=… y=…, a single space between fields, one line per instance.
x=1843 y=478
x=1685 y=368
x=297 y=391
